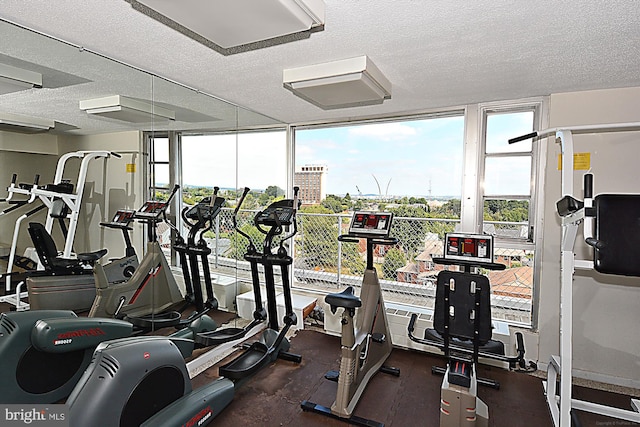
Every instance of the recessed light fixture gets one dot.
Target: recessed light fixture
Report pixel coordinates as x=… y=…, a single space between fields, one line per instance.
x=232 y=23
x=126 y=109
x=24 y=124
x=339 y=84
x=13 y=79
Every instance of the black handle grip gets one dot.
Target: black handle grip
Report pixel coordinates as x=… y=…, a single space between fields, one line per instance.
x=387 y=241
x=588 y=185
x=295 y=199
x=519 y=343
x=173 y=193
x=14 y=178
x=523 y=137
x=348 y=238
x=36 y=179
x=412 y=323
x=215 y=191
x=117 y=155
x=244 y=194
x=598 y=244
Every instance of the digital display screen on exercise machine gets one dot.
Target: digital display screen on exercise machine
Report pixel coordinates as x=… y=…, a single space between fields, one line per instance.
x=469 y=247
x=371 y=224
x=123 y=217
x=151 y=209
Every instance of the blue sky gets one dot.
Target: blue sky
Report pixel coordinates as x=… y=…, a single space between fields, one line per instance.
x=405 y=156
x=412 y=158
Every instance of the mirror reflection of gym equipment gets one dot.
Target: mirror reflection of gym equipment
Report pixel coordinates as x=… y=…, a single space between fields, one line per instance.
x=122 y=388
x=61 y=203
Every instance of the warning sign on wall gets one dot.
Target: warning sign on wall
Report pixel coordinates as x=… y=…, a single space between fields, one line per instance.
x=581 y=161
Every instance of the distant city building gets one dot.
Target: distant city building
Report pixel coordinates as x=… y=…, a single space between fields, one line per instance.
x=311 y=179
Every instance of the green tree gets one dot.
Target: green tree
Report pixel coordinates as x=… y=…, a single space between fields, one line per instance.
x=410 y=233
x=274 y=191
x=333 y=203
x=393 y=260
x=318 y=235
x=352 y=260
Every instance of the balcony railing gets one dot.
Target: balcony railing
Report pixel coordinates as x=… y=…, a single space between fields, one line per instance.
x=406 y=270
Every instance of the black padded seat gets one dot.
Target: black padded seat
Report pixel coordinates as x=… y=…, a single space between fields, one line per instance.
x=344 y=299
x=491 y=346
x=91 y=257
x=49 y=256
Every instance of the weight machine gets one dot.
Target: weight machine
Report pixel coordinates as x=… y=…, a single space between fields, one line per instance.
x=574 y=212
x=60 y=201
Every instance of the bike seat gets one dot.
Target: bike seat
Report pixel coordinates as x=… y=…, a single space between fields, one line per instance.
x=92 y=256
x=344 y=299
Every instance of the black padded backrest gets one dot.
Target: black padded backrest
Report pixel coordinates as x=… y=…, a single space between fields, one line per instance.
x=59 y=209
x=44 y=244
x=617 y=227
x=462 y=299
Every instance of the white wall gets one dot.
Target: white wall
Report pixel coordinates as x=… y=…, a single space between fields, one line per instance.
x=24 y=155
x=606 y=340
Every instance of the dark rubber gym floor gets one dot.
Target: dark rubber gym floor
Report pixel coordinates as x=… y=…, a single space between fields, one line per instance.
x=273 y=396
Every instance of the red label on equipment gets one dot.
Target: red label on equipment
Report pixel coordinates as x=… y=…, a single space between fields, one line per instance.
x=146 y=355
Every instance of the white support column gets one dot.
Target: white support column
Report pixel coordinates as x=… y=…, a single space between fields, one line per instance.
x=470 y=196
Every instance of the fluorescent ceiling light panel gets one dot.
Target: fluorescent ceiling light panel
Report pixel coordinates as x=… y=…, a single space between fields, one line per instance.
x=339 y=84
x=231 y=23
x=126 y=109
x=20 y=123
x=13 y=79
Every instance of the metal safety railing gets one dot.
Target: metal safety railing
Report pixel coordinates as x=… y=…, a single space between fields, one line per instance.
x=407 y=272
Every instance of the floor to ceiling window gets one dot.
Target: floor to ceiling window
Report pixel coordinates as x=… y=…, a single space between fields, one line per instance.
x=417 y=167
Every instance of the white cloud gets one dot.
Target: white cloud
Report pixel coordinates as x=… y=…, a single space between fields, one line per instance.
x=384 y=131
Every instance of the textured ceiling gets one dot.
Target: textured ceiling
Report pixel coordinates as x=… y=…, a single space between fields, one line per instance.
x=438 y=53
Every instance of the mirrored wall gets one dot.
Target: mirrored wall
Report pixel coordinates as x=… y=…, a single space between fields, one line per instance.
x=58 y=98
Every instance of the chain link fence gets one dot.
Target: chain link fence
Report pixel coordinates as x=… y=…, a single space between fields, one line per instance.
x=407 y=271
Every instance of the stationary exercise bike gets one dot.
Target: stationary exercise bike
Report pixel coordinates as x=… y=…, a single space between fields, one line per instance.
x=151 y=290
x=123 y=267
x=366 y=344
x=68 y=283
x=462 y=329
x=130 y=381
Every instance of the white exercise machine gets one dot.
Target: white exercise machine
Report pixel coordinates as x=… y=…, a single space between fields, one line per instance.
x=58 y=196
x=574 y=212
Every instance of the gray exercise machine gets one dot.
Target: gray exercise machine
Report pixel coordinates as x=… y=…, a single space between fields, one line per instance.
x=366 y=340
x=45 y=352
x=144 y=381
x=144 y=298
x=68 y=283
x=462 y=329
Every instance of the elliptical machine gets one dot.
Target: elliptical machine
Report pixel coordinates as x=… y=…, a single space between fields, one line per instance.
x=129 y=381
x=366 y=344
x=199 y=219
x=462 y=329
